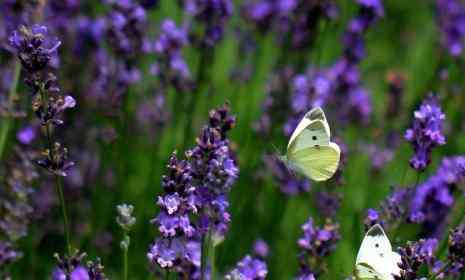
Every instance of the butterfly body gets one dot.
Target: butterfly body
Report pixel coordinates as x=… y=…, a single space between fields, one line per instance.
x=310 y=150
x=375 y=259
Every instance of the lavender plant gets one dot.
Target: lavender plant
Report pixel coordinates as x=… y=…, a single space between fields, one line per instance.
x=426 y=132
x=197 y=186
x=35 y=49
x=126 y=221
x=145 y=72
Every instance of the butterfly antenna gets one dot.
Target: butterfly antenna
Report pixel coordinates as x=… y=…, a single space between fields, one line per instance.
x=283 y=159
x=277 y=154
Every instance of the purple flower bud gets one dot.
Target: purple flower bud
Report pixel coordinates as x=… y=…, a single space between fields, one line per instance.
x=27 y=134
x=260 y=248
x=34 y=47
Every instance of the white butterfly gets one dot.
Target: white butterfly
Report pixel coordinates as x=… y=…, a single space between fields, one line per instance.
x=310 y=150
x=375 y=259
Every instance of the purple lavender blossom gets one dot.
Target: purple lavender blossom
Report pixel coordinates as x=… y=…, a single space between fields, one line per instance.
x=248 y=268
x=212 y=15
x=451 y=21
x=171 y=65
x=35 y=47
x=8 y=254
x=369 y=12
x=261 y=249
x=14 y=14
x=294 y=21
x=276 y=105
x=252 y=267
x=112 y=79
x=72 y=268
x=315 y=244
x=350 y=98
x=414 y=256
x=214 y=170
x=328 y=203
x=288 y=183
x=197 y=186
x=379 y=157
x=178 y=204
x=456 y=251
x=372 y=218
x=27 y=134
x=426 y=132
x=90 y=34
x=309 y=90
x=433 y=199
x=392 y=211
x=126 y=27
x=152 y=114
x=79 y=273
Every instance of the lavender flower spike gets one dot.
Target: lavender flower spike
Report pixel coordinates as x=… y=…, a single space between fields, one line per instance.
x=214 y=170
x=456 y=251
x=315 y=244
x=176 y=248
x=426 y=132
x=415 y=255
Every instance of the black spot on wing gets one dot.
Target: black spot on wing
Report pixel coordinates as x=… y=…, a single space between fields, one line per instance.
x=316 y=114
x=375 y=230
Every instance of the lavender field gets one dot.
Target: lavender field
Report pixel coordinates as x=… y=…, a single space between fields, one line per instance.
x=141 y=139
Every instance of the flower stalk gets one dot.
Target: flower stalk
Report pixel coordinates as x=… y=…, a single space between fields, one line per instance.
x=59 y=189
x=126 y=221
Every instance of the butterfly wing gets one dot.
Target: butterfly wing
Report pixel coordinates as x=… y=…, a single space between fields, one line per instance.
x=376 y=252
x=316 y=115
x=314 y=134
x=364 y=271
x=318 y=163
x=298 y=130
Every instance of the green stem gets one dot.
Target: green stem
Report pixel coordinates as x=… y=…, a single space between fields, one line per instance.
x=59 y=187
x=11 y=98
x=125 y=261
x=205 y=243
x=212 y=261
x=418 y=179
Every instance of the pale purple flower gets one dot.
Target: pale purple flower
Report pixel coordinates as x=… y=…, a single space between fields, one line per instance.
x=261 y=248
x=27 y=134
x=315 y=243
x=34 y=47
x=248 y=268
x=433 y=199
x=212 y=16
x=426 y=132
x=451 y=21
x=72 y=268
x=456 y=251
x=414 y=256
